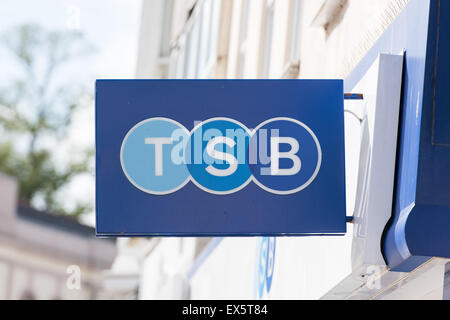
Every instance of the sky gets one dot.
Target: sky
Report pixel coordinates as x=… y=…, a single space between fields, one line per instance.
x=112 y=28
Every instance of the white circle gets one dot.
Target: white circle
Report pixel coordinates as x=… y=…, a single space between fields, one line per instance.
x=319 y=157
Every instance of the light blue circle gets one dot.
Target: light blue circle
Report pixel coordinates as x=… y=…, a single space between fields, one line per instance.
x=139 y=161
x=198 y=159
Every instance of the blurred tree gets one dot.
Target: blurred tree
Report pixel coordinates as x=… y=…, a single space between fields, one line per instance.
x=35 y=114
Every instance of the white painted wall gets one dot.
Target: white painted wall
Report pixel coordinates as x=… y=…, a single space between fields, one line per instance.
x=305 y=268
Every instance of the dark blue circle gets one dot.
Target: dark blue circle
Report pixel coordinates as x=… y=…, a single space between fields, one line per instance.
x=309 y=154
x=198 y=161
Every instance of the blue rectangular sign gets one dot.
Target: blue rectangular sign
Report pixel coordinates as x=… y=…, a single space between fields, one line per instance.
x=219 y=157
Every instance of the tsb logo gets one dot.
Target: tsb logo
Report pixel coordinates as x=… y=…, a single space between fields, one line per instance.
x=221 y=156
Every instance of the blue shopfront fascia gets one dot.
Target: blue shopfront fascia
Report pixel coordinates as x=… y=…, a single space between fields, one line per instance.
x=135 y=198
x=420 y=224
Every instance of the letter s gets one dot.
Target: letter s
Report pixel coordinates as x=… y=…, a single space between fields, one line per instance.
x=232 y=161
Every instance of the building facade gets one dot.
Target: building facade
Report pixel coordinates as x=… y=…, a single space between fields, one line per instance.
x=290 y=39
x=45 y=256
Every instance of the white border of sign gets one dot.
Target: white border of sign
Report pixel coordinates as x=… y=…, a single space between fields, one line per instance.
x=319 y=157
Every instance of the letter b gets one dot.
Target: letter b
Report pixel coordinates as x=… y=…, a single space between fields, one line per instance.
x=276 y=155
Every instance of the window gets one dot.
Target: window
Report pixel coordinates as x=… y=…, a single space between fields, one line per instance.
x=243 y=38
x=192 y=52
x=198 y=44
x=173 y=63
x=267 y=37
x=177 y=59
x=205 y=30
x=293 y=37
x=166 y=29
x=215 y=22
